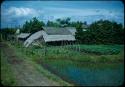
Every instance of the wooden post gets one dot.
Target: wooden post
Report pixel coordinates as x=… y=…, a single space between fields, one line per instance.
x=61 y=44
x=79 y=46
x=76 y=46
x=64 y=44
x=70 y=45
x=45 y=50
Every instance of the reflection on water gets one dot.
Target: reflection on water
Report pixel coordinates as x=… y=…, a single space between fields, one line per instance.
x=91 y=77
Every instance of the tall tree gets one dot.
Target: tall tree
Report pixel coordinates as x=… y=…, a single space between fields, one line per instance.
x=33 y=25
x=65 y=21
x=106 y=32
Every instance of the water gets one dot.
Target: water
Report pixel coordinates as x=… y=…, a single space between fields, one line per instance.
x=92 y=77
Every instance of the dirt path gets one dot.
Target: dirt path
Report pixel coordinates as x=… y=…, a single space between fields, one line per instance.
x=25 y=73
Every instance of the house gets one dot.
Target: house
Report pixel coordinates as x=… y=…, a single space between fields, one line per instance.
x=32 y=38
x=51 y=35
x=72 y=30
x=23 y=36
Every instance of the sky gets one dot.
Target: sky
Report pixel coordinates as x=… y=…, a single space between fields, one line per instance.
x=15 y=13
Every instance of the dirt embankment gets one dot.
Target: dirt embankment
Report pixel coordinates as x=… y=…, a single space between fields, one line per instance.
x=25 y=73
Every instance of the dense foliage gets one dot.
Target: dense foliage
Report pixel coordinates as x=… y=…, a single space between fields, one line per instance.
x=59 y=22
x=101 y=32
x=32 y=25
x=52 y=24
x=5 y=32
x=79 y=32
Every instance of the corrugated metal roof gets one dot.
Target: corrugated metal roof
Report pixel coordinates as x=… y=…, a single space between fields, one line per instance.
x=23 y=35
x=56 y=31
x=49 y=37
x=32 y=38
x=71 y=29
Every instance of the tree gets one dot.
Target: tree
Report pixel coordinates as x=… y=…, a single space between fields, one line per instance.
x=52 y=24
x=100 y=32
x=33 y=25
x=5 y=32
x=79 y=31
x=58 y=20
x=65 y=21
x=85 y=23
x=106 y=32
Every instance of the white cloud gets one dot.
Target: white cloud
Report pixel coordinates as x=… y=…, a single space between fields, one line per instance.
x=11 y=14
x=22 y=11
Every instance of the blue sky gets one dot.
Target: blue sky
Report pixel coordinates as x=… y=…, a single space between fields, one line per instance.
x=15 y=13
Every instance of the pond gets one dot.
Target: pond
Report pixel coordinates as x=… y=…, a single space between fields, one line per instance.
x=90 y=77
x=85 y=76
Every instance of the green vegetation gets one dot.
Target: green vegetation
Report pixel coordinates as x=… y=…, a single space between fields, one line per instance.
x=109 y=53
x=32 y=25
x=6 y=32
x=7 y=76
x=102 y=49
x=101 y=32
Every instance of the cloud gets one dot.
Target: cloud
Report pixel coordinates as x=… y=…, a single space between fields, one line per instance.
x=23 y=11
x=18 y=15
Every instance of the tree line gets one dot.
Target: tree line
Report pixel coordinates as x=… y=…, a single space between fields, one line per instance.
x=98 y=32
x=101 y=32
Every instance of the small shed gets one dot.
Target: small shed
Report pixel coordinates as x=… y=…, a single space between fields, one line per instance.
x=51 y=35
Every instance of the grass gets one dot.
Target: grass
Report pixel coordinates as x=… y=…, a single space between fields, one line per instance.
x=30 y=56
x=7 y=76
